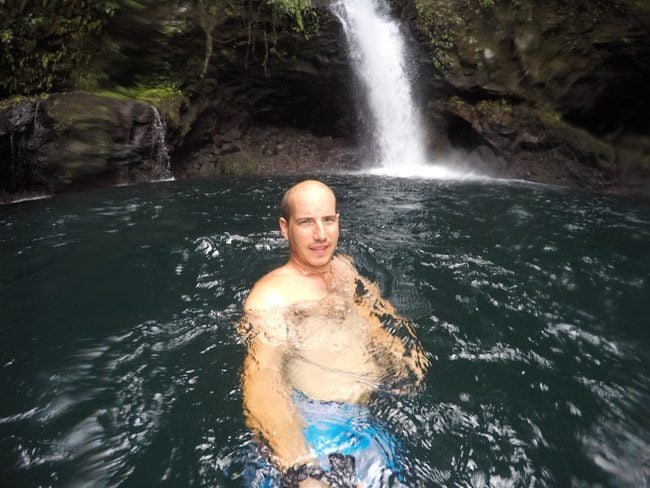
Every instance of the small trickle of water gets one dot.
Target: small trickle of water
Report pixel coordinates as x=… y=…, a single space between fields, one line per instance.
x=38 y=105
x=38 y=126
x=378 y=53
x=159 y=145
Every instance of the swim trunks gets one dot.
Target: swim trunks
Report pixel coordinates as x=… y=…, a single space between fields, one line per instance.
x=336 y=430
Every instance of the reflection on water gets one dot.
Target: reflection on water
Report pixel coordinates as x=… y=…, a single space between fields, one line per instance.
x=120 y=360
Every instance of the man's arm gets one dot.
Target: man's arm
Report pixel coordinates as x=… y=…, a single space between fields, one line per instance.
x=267 y=406
x=379 y=311
x=376 y=309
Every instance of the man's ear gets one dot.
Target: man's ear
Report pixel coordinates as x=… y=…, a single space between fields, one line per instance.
x=284 y=228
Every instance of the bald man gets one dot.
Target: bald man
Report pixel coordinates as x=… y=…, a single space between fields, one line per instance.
x=317 y=351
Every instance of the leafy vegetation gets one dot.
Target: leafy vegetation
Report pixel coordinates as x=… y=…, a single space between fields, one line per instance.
x=48 y=46
x=294 y=8
x=60 y=45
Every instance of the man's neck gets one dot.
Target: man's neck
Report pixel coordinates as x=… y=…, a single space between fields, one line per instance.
x=324 y=273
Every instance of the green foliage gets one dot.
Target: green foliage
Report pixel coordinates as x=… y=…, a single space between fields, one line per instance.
x=168 y=99
x=151 y=95
x=15 y=100
x=294 y=8
x=48 y=45
x=145 y=45
x=435 y=24
x=62 y=45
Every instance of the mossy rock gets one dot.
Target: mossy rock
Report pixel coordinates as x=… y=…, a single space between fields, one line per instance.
x=237 y=164
x=79 y=139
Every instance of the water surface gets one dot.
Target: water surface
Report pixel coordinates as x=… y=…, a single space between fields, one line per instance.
x=120 y=361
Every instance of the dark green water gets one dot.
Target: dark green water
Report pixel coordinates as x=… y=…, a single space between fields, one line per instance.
x=120 y=363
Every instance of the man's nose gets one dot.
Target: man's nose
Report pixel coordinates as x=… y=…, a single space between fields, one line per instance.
x=319 y=231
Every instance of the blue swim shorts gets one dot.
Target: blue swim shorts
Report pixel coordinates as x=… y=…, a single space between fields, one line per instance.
x=347 y=429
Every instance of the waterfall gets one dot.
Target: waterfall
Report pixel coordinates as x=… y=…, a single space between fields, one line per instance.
x=159 y=146
x=378 y=54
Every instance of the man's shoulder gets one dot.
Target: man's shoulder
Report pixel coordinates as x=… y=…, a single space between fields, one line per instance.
x=271 y=290
x=285 y=286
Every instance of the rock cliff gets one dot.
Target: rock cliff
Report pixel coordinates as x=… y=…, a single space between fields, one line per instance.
x=554 y=92
x=551 y=92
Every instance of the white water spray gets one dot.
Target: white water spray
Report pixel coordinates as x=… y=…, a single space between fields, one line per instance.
x=378 y=54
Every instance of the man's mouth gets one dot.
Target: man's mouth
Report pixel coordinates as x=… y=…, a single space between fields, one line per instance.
x=320 y=249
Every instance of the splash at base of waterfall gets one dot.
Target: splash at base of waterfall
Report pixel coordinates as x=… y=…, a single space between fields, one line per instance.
x=431 y=171
x=420 y=170
x=378 y=53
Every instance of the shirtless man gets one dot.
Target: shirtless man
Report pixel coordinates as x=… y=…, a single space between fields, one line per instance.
x=316 y=340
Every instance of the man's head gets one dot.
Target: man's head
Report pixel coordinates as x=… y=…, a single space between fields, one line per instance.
x=310 y=224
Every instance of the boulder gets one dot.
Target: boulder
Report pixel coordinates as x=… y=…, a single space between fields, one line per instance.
x=79 y=140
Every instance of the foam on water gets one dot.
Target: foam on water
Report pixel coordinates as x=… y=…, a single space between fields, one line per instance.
x=30 y=198
x=425 y=171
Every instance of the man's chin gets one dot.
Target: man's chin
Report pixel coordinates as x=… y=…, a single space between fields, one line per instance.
x=321 y=263
x=317 y=264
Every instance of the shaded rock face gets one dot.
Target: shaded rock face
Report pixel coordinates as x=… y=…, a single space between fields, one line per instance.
x=289 y=113
x=547 y=91
x=521 y=142
x=294 y=113
x=586 y=60
x=255 y=150
x=77 y=140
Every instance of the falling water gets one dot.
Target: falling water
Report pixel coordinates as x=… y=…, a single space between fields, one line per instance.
x=159 y=145
x=377 y=50
x=378 y=53
x=38 y=126
x=38 y=106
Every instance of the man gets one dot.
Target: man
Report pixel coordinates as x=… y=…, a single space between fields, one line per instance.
x=318 y=351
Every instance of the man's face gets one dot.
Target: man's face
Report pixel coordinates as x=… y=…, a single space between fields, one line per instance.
x=313 y=227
